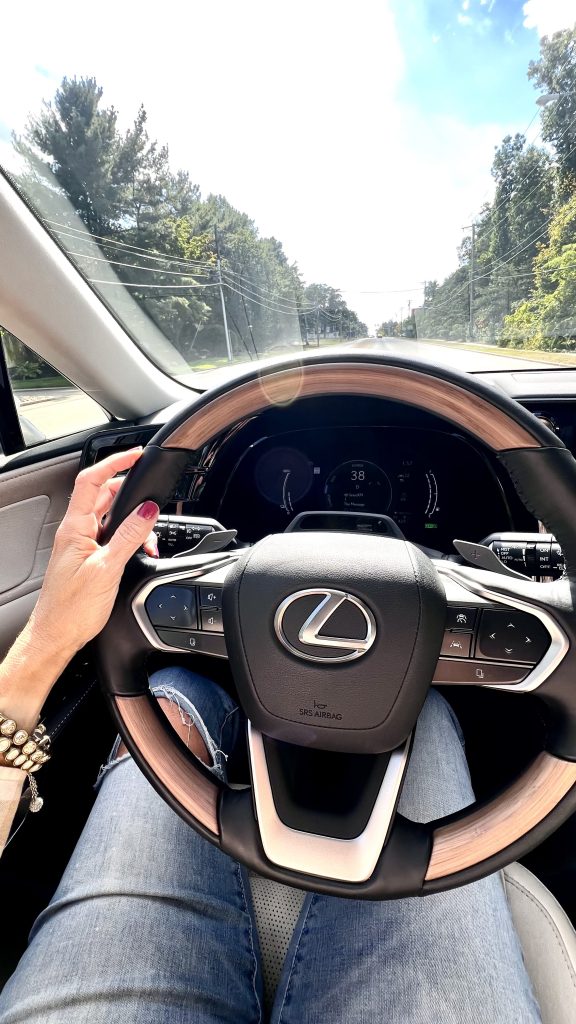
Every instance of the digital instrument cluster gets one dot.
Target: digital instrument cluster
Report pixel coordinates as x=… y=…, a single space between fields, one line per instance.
x=434 y=485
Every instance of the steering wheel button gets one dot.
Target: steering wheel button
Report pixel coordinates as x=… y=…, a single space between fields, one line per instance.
x=199 y=643
x=174 y=607
x=210 y=597
x=211 y=620
x=456 y=645
x=480 y=673
x=460 y=617
x=511 y=636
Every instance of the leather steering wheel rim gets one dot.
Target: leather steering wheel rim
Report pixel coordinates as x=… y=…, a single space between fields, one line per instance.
x=414 y=859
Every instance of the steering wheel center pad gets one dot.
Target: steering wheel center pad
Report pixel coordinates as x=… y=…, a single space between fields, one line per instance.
x=364 y=701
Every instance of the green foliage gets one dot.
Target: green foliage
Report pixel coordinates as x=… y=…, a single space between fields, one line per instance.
x=159 y=235
x=548 y=318
x=521 y=277
x=555 y=74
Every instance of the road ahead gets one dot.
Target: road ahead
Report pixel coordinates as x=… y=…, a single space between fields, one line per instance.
x=450 y=355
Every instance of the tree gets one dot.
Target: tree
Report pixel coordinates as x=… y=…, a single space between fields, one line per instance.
x=555 y=73
x=78 y=144
x=548 y=318
x=158 y=234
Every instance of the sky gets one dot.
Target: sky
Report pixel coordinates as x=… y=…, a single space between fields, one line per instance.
x=360 y=134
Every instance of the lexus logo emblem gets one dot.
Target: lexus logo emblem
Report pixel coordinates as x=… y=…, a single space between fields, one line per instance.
x=314 y=629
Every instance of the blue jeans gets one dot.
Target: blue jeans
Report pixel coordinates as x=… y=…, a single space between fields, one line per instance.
x=151 y=924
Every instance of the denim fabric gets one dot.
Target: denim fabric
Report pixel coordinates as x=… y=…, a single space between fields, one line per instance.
x=152 y=924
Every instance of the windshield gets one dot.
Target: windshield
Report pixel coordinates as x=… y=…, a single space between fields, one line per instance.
x=250 y=179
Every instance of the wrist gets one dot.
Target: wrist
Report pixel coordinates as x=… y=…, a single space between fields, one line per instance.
x=28 y=673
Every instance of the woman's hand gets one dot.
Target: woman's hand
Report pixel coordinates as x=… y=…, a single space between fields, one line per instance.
x=83 y=577
x=79 y=588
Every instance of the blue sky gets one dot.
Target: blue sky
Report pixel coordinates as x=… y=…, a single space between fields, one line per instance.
x=462 y=56
x=360 y=134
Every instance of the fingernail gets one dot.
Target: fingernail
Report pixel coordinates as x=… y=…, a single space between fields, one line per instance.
x=156 y=551
x=149 y=510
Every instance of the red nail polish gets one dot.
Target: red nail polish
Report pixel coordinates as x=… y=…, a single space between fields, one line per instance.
x=149 y=510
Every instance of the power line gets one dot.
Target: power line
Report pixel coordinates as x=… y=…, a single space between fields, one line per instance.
x=531 y=122
x=261 y=293
x=504 y=262
x=525 y=178
x=127 y=247
x=144 y=285
x=135 y=266
x=264 y=305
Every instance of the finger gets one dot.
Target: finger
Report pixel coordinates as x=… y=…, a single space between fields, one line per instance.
x=90 y=480
x=151 y=546
x=133 y=532
x=108 y=492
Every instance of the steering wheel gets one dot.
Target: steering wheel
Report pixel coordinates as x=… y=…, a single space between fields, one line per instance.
x=333 y=647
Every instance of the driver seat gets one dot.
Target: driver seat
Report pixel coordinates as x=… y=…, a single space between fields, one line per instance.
x=546 y=934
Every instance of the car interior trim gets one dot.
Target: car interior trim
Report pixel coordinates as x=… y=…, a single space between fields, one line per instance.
x=495 y=826
x=43 y=299
x=559 y=643
x=345 y=860
x=197 y=793
x=139 y=602
x=462 y=407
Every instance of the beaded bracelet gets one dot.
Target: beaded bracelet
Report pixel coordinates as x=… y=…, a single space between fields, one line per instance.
x=27 y=751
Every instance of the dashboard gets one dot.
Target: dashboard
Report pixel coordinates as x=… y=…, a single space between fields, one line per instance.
x=433 y=484
x=362 y=457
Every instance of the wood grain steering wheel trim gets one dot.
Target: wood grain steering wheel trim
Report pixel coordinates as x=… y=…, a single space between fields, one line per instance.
x=466 y=410
x=492 y=828
x=168 y=762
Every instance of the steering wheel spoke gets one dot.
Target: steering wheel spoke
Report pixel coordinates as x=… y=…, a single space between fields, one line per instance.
x=179 y=606
x=323 y=813
x=500 y=632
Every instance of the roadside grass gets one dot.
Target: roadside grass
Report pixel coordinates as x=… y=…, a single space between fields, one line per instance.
x=535 y=355
x=281 y=350
x=41 y=382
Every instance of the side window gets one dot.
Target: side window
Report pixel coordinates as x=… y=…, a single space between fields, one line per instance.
x=48 y=404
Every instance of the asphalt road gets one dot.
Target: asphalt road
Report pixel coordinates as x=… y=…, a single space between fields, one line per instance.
x=449 y=355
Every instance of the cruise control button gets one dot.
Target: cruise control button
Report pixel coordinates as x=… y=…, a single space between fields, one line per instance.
x=457 y=645
x=211 y=620
x=460 y=617
x=482 y=673
x=511 y=636
x=172 y=606
x=210 y=597
x=201 y=643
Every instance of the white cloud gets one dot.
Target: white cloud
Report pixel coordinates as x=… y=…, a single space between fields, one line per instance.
x=549 y=16
x=464 y=19
x=465 y=5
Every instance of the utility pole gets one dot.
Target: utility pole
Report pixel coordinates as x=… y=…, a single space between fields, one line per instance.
x=224 y=317
x=472 y=228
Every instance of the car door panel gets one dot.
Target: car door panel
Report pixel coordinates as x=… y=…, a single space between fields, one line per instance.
x=33 y=500
x=21 y=525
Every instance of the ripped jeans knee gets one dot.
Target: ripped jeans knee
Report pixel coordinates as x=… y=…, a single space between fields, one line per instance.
x=201 y=703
